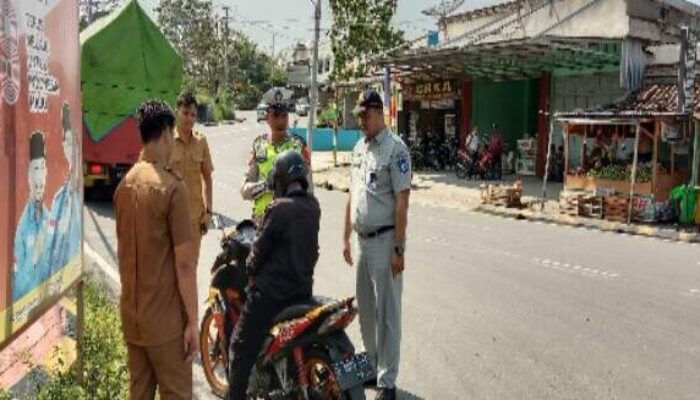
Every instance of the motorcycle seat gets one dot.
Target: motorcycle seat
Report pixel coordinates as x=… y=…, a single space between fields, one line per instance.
x=299 y=309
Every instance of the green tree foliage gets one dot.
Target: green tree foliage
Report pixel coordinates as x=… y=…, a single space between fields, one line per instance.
x=194 y=30
x=361 y=29
x=204 y=40
x=100 y=8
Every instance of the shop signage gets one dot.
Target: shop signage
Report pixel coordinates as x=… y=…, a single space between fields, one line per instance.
x=436 y=90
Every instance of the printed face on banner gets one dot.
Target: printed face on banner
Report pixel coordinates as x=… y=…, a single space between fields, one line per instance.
x=37 y=179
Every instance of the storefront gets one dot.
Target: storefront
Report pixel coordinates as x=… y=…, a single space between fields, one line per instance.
x=510 y=84
x=430 y=109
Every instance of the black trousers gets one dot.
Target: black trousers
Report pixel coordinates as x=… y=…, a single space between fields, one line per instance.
x=248 y=337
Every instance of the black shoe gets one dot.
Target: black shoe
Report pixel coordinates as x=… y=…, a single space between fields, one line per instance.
x=386 y=394
x=370 y=384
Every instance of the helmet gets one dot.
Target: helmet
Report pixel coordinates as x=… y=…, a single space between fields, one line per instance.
x=289 y=167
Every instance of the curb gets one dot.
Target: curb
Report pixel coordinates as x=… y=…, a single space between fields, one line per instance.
x=602 y=225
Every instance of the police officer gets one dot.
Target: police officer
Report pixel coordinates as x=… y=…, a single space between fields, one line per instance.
x=377 y=212
x=282 y=263
x=31 y=266
x=265 y=150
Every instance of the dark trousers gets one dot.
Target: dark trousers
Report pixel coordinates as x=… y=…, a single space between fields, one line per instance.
x=248 y=337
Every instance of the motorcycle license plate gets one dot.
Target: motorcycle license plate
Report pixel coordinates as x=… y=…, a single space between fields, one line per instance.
x=354 y=371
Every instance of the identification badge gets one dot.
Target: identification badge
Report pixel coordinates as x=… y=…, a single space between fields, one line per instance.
x=261 y=152
x=372 y=180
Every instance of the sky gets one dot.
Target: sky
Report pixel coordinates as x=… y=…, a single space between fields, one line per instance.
x=291 y=20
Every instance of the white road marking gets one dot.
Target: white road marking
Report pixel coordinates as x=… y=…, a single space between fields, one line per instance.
x=104 y=265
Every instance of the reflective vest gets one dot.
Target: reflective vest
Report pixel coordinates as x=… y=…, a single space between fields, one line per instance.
x=265 y=155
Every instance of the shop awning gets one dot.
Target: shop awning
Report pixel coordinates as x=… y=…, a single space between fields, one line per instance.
x=516 y=59
x=651 y=100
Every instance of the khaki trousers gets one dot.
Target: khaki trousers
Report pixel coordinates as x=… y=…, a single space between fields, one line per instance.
x=163 y=367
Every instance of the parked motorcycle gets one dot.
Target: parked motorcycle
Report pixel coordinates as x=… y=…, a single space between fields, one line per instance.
x=464 y=164
x=307 y=354
x=417 y=158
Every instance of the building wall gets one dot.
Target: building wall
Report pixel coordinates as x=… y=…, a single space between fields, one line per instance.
x=569 y=93
x=512 y=105
x=602 y=19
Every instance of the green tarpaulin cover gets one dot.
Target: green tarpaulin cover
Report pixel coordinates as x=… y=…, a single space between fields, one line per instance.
x=125 y=59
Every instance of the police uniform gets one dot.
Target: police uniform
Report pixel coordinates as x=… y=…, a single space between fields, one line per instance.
x=152 y=216
x=190 y=160
x=381 y=168
x=262 y=158
x=31 y=264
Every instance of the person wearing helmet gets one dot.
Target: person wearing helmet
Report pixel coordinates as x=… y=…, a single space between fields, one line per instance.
x=266 y=148
x=281 y=266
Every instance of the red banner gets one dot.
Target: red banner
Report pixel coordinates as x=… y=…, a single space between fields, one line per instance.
x=40 y=159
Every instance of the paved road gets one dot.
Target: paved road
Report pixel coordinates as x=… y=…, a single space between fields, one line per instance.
x=505 y=309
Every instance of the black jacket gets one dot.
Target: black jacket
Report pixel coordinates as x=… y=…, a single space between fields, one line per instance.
x=285 y=251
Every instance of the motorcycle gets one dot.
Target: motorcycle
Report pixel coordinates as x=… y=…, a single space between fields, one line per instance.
x=306 y=355
x=464 y=164
x=417 y=159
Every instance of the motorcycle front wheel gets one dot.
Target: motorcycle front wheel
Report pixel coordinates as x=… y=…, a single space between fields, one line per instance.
x=214 y=354
x=323 y=383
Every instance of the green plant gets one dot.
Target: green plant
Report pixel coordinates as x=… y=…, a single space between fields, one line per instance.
x=327 y=116
x=4 y=394
x=104 y=358
x=106 y=374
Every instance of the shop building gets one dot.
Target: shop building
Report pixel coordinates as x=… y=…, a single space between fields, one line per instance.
x=517 y=63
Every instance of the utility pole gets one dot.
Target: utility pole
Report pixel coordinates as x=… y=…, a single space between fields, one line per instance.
x=226 y=33
x=89 y=12
x=314 y=75
x=273 y=45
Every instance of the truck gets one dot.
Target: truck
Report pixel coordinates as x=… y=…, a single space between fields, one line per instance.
x=124 y=59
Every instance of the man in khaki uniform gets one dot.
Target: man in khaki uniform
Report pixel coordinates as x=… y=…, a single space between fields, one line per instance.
x=158 y=276
x=192 y=161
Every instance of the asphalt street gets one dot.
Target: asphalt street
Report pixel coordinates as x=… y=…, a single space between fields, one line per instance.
x=497 y=308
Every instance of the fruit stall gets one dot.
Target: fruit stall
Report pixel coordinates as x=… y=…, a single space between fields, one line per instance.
x=623 y=162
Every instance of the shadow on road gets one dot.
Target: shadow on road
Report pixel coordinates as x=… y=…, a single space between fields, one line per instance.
x=403 y=395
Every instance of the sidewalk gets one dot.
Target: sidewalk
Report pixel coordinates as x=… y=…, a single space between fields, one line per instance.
x=444 y=189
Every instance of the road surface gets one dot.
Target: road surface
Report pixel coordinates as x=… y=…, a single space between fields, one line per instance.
x=502 y=309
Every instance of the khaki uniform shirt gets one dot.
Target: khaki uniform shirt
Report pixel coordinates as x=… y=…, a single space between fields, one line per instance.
x=190 y=160
x=152 y=215
x=381 y=168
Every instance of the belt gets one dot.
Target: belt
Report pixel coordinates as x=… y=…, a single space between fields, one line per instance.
x=377 y=232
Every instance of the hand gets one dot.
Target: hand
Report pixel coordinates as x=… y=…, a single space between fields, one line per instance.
x=191 y=341
x=205 y=223
x=347 y=253
x=397 y=264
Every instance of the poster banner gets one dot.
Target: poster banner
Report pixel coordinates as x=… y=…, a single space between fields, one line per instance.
x=40 y=158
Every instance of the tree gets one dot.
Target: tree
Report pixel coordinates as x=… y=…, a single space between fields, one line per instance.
x=100 y=8
x=361 y=29
x=193 y=29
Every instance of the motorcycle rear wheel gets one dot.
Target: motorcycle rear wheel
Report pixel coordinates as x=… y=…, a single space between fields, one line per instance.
x=323 y=384
x=214 y=355
x=461 y=171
